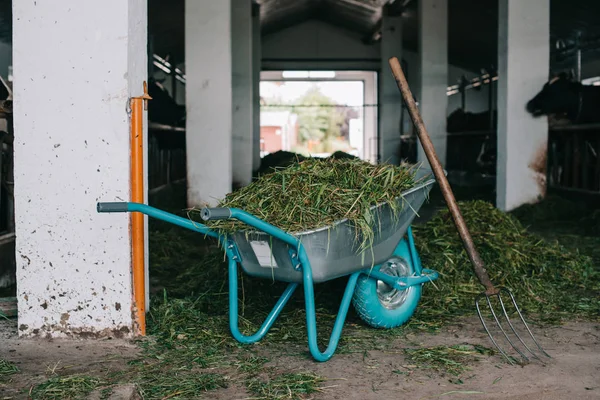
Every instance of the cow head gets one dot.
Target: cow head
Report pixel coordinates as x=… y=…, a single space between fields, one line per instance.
x=558 y=96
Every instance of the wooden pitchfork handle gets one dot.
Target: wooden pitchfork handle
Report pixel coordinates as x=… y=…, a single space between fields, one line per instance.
x=476 y=260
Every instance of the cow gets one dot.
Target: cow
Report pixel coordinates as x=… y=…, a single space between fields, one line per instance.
x=282 y=159
x=6 y=97
x=564 y=96
x=464 y=121
x=163 y=109
x=278 y=159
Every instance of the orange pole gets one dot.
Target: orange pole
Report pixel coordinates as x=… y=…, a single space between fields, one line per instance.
x=137 y=196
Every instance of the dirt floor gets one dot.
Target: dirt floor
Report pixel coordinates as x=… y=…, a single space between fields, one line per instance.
x=572 y=373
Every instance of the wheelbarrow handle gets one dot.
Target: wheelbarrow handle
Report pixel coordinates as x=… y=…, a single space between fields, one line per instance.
x=216 y=213
x=112 y=207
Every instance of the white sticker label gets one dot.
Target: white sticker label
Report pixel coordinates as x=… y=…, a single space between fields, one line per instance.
x=263 y=253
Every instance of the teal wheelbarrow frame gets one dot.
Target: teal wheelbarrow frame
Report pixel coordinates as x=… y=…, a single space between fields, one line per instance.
x=384 y=284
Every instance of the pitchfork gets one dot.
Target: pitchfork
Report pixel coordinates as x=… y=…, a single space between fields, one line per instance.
x=490 y=290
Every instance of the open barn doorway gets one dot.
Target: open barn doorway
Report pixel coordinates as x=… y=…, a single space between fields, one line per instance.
x=316 y=113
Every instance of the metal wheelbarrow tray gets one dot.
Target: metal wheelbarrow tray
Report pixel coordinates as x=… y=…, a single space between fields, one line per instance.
x=384 y=283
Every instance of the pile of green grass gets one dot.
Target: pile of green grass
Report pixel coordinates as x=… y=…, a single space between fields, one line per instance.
x=546 y=278
x=575 y=224
x=316 y=193
x=560 y=214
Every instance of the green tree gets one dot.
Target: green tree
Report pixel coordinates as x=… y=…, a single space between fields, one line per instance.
x=318 y=118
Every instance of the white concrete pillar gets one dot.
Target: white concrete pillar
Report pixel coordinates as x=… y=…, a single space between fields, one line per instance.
x=75 y=66
x=370 y=118
x=390 y=103
x=208 y=100
x=523 y=67
x=256 y=67
x=243 y=118
x=433 y=79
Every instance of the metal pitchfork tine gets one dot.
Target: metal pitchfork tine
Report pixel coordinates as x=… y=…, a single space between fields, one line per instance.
x=474 y=257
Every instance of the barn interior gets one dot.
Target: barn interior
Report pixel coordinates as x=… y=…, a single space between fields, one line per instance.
x=229 y=83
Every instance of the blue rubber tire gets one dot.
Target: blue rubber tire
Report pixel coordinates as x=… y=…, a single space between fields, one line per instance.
x=370 y=309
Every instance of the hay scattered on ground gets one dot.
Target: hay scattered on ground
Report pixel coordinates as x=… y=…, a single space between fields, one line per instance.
x=191 y=351
x=285 y=386
x=67 y=387
x=546 y=278
x=453 y=360
x=318 y=192
x=7 y=369
x=575 y=224
x=560 y=214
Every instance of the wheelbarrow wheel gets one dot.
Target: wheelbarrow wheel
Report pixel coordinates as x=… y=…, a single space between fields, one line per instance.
x=380 y=305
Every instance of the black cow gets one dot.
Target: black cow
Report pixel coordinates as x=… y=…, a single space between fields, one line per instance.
x=278 y=159
x=163 y=109
x=282 y=159
x=5 y=97
x=562 y=95
x=461 y=121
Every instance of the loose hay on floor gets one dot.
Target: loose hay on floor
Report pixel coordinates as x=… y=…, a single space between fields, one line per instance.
x=6 y=369
x=67 y=387
x=545 y=277
x=191 y=350
x=453 y=360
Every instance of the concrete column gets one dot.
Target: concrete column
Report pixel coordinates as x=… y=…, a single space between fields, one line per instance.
x=75 y=66
x=208 y=100
x=390 y=103
x=433 y=79
x=523 y=34
x=243 y=118
x=370 y=118
x=256 y=68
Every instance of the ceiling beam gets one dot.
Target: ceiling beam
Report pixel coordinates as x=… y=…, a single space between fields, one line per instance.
x=391 y=8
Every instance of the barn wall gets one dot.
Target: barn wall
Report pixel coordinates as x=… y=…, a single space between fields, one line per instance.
x=313 y=41
x=316 y=44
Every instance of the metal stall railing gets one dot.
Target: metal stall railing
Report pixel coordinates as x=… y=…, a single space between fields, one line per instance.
x=166 y=144
x=7 y=216
x=166 y=156
x=471 y=144
x=573 y=162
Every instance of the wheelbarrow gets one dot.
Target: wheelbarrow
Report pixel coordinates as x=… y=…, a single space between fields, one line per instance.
x=384 y=284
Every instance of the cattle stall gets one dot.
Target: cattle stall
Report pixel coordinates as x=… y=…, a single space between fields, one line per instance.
x=166 y=125
x=471 y=140
x=574 y=158
x=166 y=156
x=7 y=218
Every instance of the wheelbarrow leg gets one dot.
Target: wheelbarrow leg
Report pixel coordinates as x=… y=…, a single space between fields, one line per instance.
x=311 y=320
x=233 y=307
